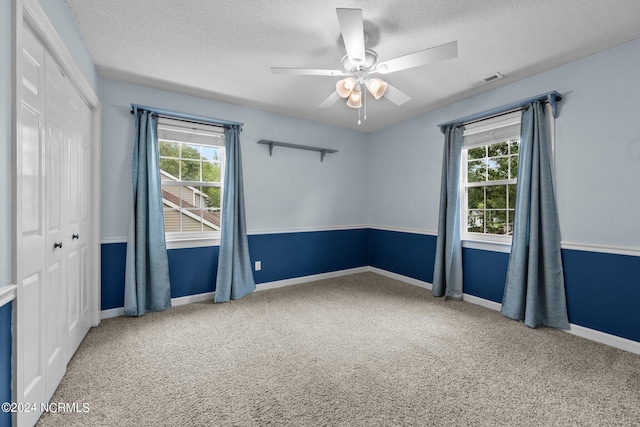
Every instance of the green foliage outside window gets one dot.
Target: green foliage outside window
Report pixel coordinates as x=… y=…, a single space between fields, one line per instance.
x=490 y=207
x=192 y=162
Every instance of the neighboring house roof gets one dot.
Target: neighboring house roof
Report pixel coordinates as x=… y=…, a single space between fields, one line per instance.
x=210 y=219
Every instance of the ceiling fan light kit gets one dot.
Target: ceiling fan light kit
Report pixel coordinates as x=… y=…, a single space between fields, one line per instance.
x=355 y=98
x=377 y=87
x=360 y=62
x=345 y=86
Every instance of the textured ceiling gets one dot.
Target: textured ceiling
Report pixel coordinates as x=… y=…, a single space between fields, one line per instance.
x=223 y=50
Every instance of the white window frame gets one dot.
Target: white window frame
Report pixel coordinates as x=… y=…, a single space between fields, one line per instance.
x=201 y=134
x=505 y=127
x=493 y=125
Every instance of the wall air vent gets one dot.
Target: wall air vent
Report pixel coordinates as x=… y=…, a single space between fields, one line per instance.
x=486 y=80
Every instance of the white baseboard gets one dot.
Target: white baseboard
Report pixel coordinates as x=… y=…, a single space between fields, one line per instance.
x=311 y=278
x=114 y=312
x=401 y=278
x=190 y=299
x=208 y=296
x=482 y=302
x=581 y=331
x=604 y=338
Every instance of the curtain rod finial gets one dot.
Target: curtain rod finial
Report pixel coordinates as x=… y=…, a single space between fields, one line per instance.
x=553 y=99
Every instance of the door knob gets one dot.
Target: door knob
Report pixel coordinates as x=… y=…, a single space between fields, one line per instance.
x=57 y=245
x=75 y=236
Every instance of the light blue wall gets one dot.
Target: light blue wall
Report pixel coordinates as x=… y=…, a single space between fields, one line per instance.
x=5 y=143
x=290 y=190
x=6 y=169
x=597 y=151
x=6 y=264
x=65 y=25
x=5 y=204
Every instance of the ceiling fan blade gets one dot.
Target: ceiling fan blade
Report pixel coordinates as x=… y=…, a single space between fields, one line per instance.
x=395 y=95
x=307 y=71
x=416 y=59
x=332 y=99
x=352 y=28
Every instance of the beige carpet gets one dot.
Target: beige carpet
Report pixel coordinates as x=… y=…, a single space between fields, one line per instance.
x=360 y=350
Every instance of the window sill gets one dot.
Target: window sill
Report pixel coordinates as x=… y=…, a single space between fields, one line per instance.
x=486 y=245
x=193 y=242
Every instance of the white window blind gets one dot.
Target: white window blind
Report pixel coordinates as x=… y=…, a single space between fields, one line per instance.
x=500 y=128
x=177 y=130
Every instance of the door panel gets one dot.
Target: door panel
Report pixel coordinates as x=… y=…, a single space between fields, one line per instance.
x=85 y=235
x=33 y=372
x=73 y=178
x=31 y=172
x=31 y=364
x=56 y=227
x=79 y=229
x=54 y=346
x=85 y=263
x=73 y=291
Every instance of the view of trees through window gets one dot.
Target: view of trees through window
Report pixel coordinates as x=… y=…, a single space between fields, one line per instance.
x=491 y=176
x=191 y=184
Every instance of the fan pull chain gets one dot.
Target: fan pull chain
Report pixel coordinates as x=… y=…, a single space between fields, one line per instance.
x=365 y=104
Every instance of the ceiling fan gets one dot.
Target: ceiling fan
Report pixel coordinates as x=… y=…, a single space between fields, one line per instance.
x=360 y=63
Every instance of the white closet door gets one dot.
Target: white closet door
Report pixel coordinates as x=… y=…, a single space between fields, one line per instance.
x=77 y=149
x=54 y=155
x=85 y=236
x=56 y=226
x=31 y=170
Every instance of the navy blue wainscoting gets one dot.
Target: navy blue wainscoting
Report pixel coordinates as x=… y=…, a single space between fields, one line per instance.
x=113 y=261
x=602 y=288
x=283 y=256
x=485 y=273
x=193 y=271
x=5 y=361
x=290 y=255
x=603 y=291
x=408 y=254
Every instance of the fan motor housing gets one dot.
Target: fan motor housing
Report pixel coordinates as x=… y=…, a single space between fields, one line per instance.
x=369 y=64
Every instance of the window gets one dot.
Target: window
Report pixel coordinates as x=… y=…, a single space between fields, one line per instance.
x=489 y=177
x=191 y=170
